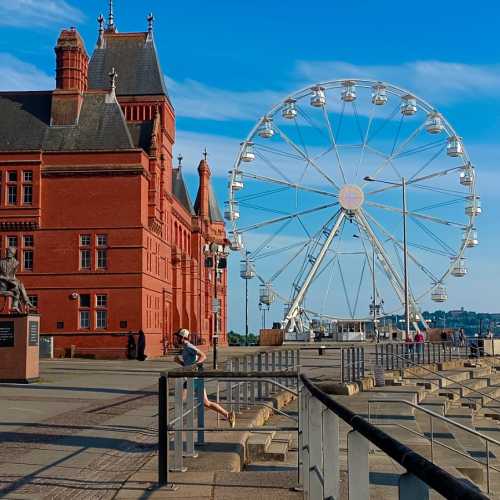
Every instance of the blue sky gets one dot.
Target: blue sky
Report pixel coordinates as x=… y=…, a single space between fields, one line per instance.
x=227 y=63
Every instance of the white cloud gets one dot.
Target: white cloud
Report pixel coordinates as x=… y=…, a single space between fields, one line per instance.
x=194 y=99
x=18 y=75
x=434 y=80
x=29 y=13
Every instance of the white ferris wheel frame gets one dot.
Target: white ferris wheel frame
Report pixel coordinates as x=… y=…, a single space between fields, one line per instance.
x=292 y=317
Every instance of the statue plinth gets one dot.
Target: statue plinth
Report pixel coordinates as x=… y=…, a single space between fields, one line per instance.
x=19 y=348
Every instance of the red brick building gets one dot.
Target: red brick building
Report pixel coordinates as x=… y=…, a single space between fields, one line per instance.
x=108 y=240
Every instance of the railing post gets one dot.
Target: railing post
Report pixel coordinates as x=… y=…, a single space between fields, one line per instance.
x=331 y=455
x=280 y=365
x=287 y=365
x=199 y=389
x=273 y=369
x=259 y=369
x=342 y=365
x=412 y=488
x=362 y=361
x=163 y=430
x=305 y=443
x=300 y=434
x=179 y=424
x=353 y=363
x=266 y=368
x=245 y=385
x=357 y=466
x=252 y=384
x=315 y=436
x=190 y=404
x=237 y=407
x=229 y=385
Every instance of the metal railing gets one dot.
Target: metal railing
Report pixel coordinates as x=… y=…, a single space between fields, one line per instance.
x=249 y=380
x=432 y=440
x=319 y=443
x=346 y=363
x=397 y=355
x=405 y=362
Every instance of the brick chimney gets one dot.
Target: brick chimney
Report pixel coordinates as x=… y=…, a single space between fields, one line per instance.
x=202 y=200
x=71 y=78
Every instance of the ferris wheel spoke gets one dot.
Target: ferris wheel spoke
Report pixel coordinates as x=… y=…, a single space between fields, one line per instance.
x=269 y=239
x=387 y=267
x=439 y=205
x=348 y=302
x=261 y=194
x=293 y=310
x=400 y=246
x=416 y=215
x=397 y=150
x=282 y=269
x=421 y=149
x=359 y=288
x=387 y=120
x=292 y=185
x=305 y=157
x=276 y=251
x=277 y=152
x=290 y=216
x=428 y=162
x=439 y=190
x=440 y=173
x=261 y=209
x=272 y=166
x=334 y=143
x=435 y=237
x=365 y=141
x=311 y=121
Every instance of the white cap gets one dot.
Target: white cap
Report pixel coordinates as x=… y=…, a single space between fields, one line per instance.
x=183 y=332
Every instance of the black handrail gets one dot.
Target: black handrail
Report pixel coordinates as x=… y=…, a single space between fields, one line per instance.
x=437 y=478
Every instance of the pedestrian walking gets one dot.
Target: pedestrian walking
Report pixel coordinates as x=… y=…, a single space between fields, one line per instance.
x=191 y=355
x=131 y=347
x=141 y=346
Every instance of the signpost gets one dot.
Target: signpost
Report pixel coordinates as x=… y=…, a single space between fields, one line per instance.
x=6 y=334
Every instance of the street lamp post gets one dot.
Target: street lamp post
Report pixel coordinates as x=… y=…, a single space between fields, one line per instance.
x=216 y=258
x=402 y=185
x=247 y=273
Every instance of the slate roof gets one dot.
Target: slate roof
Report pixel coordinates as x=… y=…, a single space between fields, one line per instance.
x=141 y=134
x=136 y=61
x=213 y=207
x=25 y=124
x=180 y=191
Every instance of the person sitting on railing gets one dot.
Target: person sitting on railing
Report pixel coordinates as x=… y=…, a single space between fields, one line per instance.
x=191 y=355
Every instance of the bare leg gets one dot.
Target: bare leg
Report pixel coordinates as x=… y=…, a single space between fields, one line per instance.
x=210 y=405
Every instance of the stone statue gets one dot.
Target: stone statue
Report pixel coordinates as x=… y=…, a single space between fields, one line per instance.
x=10 y=286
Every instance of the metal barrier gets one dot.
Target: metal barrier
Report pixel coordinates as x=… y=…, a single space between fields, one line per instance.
x=320 y=458
x=398 y=355
x=433 y=415
x=240 y=380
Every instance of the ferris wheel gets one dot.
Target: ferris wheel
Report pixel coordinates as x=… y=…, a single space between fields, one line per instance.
x=333 y=184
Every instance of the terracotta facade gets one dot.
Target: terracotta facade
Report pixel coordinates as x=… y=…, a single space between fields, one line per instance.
x=108 y=240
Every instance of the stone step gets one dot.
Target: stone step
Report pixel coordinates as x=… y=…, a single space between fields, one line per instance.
x=479 y=400
x=283 y=437
x=436 y=404
x=437 y=379
x=257 y=445
x=277 y=451
x=464 y=388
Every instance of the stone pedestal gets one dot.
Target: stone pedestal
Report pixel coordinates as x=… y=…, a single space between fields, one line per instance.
x=19 y=348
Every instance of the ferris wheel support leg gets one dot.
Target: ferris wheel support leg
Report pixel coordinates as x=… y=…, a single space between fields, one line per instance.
x=393 y=276
x=294 y=308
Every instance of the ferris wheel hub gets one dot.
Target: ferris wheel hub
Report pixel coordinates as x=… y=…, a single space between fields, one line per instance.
x=351 y=197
